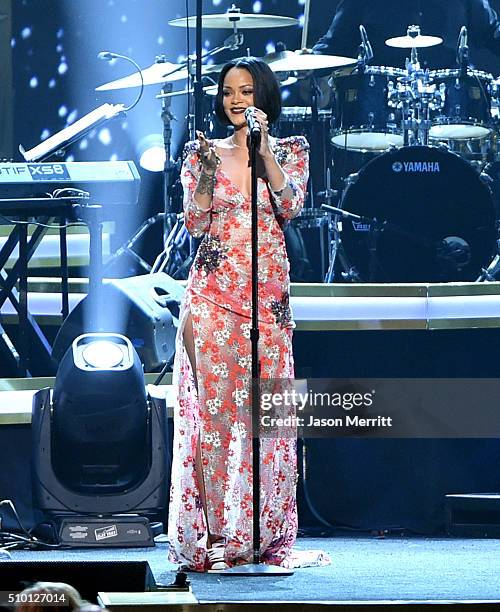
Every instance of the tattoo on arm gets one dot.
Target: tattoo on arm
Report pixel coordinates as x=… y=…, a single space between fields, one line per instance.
x=206 y=184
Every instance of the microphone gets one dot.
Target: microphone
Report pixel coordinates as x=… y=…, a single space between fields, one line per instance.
x=366 y=43
x=464 y=38
x=107 y=56
x=252 y=123
x=463 y=48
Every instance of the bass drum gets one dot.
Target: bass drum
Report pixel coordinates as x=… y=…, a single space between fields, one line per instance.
x=435 y=218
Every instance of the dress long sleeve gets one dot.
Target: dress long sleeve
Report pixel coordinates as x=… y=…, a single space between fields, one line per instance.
x=212 y=418
x=293 y=156
x=196 y=219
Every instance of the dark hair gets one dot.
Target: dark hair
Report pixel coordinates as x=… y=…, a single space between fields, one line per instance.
x=267 y=95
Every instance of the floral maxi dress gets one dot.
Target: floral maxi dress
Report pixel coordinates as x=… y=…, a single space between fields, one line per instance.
x=212 y=419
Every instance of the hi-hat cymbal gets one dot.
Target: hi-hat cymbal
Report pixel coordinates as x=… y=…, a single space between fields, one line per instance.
x=413 y=42
x=243 y=21
x=211 y=90
x=159 y=72
x=297 y=61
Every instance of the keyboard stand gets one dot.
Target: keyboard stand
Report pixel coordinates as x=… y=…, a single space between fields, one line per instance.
x=30 y=352
x=31 y=341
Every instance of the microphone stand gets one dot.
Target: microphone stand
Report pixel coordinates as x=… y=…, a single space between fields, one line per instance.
x=198 y=84
x=256 y=568
x=315 y=92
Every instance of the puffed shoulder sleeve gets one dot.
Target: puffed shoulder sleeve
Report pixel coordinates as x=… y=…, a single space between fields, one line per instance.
x=196 y=219
x=292 y=154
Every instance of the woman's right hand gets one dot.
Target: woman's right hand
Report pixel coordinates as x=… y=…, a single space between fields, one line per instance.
x=208 y=156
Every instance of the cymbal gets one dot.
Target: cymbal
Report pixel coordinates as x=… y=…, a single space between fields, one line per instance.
x=211 y=90
x=296 y=61
x=159 y=72
x=413 y=42
x=243 y=21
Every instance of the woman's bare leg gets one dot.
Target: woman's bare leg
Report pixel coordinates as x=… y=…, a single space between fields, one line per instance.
x=190 y=349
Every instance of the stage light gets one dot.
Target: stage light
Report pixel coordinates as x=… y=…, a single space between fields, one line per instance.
x=102 y=355
x=144 y=308
x=99 y=447
x=151 y=153
x=100 y=415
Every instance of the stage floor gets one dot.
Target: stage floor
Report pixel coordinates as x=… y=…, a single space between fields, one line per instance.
x=363 y=569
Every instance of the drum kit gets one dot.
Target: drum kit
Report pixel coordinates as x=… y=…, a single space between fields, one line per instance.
x=420 y=209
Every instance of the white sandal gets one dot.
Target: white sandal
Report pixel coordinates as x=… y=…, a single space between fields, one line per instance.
x=215 y=556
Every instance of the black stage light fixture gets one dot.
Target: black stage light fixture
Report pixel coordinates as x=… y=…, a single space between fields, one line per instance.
x=99 y=446
x=144 y=308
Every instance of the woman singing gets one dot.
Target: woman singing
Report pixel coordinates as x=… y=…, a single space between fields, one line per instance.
x=210 y=514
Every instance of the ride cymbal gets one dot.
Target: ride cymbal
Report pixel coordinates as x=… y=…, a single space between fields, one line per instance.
x=297 y=61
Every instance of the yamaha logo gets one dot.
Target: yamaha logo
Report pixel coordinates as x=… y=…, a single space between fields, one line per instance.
x=422 y=167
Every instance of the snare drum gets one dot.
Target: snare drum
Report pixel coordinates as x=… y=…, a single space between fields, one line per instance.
x=467 y=106
x=362 y=119
x=312 y=217
x=297 y=120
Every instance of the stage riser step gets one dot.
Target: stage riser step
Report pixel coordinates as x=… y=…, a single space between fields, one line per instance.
x=474 y=515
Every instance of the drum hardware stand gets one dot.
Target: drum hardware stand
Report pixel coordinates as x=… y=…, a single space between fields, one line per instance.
x=168 y=217
x=350 y=273
x=233 y=42
x=376 y=228
x=416 y=96
x=168 y=168
x=492 y=272
x=329 y=194
x=305 y=27
x=174 y=264
x=416 y=123
x=315 y=93
x=333 y=236
x=127 y=246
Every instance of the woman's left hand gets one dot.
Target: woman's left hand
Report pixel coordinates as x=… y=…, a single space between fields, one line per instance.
x=264 y=148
